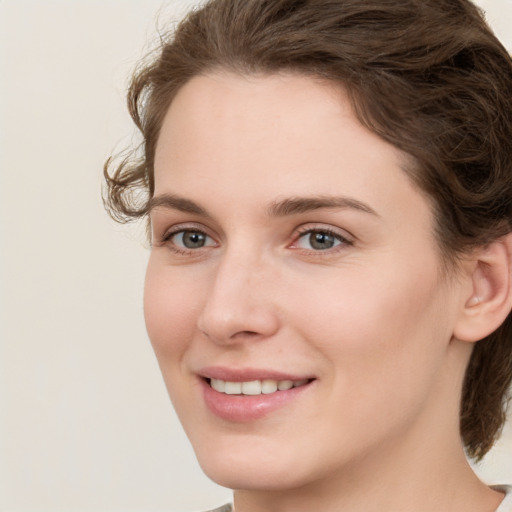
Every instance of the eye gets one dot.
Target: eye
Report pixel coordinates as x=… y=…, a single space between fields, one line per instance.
x=320 y=240
x=190 y=239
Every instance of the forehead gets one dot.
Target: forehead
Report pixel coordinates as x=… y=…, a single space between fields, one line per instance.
x=258 y=98
x=262 y=137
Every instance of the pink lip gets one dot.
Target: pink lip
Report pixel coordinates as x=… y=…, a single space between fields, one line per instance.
x=243 y=408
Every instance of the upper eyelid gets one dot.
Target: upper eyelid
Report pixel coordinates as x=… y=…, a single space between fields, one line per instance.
x=345 y=239
x=165 y=240
x=161 y=237
x=186 y=226
x=311 y=227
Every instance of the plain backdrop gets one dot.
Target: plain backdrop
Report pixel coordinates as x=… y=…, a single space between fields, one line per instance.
x=85 y=422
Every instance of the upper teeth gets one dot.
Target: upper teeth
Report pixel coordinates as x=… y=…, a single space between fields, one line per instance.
x=255 y=387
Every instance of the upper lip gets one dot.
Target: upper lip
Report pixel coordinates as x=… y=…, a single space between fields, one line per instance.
x=248 y=374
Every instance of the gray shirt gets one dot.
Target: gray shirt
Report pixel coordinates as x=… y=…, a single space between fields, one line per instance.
x=505 y=506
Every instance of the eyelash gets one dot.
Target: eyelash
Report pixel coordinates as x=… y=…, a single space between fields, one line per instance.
x=301 y=232
x=306 y=230
x=183 y=229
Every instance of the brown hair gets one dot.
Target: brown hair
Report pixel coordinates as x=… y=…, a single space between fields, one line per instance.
x=428 y=76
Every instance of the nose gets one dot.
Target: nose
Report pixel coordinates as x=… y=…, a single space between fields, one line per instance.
x=239 y=305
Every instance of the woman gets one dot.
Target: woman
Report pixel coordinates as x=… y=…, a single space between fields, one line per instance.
x=328 y=186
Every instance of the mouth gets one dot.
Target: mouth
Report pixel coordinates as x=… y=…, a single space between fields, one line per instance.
x=240 y=396
x=255 y=387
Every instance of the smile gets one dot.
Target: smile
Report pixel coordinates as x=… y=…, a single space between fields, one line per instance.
x=240 y=396
x=255 y=387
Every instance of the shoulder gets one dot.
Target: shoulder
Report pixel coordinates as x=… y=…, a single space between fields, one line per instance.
x=506 y=504
x=225 y=508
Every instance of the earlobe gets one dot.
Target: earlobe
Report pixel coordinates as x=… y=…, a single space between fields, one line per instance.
x=490 y=301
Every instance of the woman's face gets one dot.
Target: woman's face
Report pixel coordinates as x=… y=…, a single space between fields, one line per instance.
x=290 y=245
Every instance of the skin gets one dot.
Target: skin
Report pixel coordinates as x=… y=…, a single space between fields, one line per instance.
x=371 y=319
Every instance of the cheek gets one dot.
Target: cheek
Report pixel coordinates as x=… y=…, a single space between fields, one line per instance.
x=169 y=310
x=378 y=328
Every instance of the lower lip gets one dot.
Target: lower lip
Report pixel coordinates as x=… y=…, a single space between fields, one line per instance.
x=245 y=408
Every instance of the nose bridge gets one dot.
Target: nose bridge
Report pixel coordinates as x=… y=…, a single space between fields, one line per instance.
x=238 y=304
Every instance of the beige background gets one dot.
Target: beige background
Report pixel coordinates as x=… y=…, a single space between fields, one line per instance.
x=85 y=423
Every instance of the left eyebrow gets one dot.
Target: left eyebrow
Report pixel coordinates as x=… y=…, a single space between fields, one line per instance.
x=296 y=205
x=174 y=202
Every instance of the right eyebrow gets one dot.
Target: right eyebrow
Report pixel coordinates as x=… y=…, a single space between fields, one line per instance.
x=174 y=202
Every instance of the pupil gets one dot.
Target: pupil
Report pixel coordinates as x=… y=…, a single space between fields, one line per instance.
x=321 y=240
x=193 y=240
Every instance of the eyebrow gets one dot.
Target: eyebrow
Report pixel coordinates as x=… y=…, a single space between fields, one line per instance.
x=296 y=205
x=281 y=208
x=176 y=203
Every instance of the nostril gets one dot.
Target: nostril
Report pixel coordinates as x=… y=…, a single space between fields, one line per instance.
x=246 y=334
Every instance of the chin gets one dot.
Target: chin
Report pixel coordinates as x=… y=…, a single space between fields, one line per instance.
x=249 y=470
x=251 y=477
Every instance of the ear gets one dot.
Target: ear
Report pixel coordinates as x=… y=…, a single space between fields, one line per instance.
x=489 y=300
